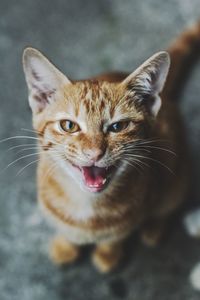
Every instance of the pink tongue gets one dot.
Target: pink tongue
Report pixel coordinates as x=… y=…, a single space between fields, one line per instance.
x=94 y=176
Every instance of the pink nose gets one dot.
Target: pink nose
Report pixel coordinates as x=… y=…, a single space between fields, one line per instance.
x=94 y=154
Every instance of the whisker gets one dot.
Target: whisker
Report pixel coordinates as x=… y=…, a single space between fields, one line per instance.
x=19 y=137
x=22 y=169
x=129 y=163
x=163 y=149
x=49 y=172
x=157 y=161
x=133 y=148
x=19 y=146
x=27 y=149
x=18 y=159
x=39 y=133
x=31 y=130
x=137 y=160
x=142 y=147
x=145 y=141
x=138 y=163
x=22 y=157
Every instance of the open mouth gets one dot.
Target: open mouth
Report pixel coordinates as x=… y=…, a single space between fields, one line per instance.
x=95 y=178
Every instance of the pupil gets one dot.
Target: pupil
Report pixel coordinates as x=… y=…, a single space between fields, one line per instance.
x=116 y=126
x=70 y=125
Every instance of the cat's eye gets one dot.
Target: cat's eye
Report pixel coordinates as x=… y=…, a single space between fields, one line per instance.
x=69 y=126
x=118 y=126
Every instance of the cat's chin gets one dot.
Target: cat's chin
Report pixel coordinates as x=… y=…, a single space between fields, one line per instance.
x=94 y=179
x=93 y=190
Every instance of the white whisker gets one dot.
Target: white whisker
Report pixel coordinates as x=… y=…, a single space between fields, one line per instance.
x=19 y=137
x=163 y=149
x=137 y=160
x=22 y=157
x=19 y=146
x=31 y=130
x=143 y=147
x=27 y=149
x=22 y=169
x=132 y=165
x=154 y=160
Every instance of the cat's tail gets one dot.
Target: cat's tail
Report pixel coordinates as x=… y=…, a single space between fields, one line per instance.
x=184 y=53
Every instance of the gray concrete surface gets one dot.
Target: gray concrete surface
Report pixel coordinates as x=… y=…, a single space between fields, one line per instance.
x=85 y=38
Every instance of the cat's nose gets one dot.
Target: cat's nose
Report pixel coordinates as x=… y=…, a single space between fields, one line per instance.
x=94 y=154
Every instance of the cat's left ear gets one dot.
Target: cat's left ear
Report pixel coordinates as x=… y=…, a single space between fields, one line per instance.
x=43 y=79
x=146 y=83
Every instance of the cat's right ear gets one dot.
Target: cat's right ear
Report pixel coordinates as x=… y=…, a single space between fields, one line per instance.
x=43 y=79
x=146 y=83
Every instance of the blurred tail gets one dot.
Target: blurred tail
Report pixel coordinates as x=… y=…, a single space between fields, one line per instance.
x=184 y=53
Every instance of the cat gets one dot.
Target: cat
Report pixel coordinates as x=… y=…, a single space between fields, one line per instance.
x=113 y=155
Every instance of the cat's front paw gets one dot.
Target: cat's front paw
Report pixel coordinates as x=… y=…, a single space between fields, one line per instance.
x=107 y=257
x=63 y=252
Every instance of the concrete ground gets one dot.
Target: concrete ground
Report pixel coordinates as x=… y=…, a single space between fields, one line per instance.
x=85 y=38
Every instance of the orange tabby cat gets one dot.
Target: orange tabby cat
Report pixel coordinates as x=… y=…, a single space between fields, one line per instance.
x=107 y=163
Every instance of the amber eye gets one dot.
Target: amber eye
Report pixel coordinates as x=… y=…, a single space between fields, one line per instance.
x=69 y=126
x=118 y=126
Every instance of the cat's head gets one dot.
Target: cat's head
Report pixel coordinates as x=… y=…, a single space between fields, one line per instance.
x=91 y=127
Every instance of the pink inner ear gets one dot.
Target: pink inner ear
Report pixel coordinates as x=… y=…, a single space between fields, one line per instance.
x=42 y=97
x=35 y=75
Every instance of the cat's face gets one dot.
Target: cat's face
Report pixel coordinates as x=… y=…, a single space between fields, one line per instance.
x=89 y=127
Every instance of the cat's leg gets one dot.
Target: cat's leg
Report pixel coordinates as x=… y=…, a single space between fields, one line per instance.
x=107 y=256
x=152 y=231
x=62 y=251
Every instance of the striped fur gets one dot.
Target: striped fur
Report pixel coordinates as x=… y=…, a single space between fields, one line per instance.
x=133 y=198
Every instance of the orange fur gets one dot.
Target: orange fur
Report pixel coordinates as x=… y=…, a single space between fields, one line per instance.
x=63 y=252
x=133 y=197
